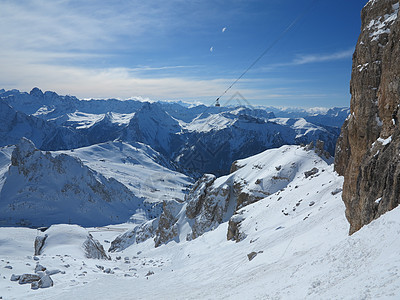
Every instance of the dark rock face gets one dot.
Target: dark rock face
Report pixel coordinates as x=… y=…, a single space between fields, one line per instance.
x=39 y=244
x=93 y=249
x=367 y=149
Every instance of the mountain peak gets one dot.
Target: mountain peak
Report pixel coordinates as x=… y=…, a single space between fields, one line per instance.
x=36 y=92
x=23 y=149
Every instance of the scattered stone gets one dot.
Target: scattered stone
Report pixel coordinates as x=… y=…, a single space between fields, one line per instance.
x=100 y=267
x=149 y=273
x=118 y=258
x=52 y=272
x=251 y=255
x=35 y=258
x=35 y=285
x=15 y=277
x=44 y=282
x=336 y=191
x=311 y=203
x=312 y=172
x=108 y=271
x=28 y=278
x=8 y=267
x=39 y=267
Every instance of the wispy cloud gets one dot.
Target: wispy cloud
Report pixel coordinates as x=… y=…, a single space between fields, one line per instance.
x=303 y=59
x=223 y=29
x=315 y=58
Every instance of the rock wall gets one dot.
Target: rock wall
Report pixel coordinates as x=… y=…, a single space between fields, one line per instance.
x=367 y=152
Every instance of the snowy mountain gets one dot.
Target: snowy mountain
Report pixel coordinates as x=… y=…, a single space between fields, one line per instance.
x=292 y=243
x=213 y=201
x=199 y=139
x=42 y=188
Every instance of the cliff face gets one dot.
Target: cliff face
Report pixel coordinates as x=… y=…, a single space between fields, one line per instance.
x=367 y=152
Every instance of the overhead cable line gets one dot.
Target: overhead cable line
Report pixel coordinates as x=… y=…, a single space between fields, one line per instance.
x=270 y=46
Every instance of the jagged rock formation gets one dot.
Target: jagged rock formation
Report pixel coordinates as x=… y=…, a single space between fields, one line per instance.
x=93 y=249
x=213 y=201
x=138 y=234
x=367 y=152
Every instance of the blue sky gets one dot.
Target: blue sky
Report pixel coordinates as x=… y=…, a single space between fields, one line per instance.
x=181 y=50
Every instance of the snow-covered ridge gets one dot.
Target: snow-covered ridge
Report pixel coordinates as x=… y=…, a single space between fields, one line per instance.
x=213 y=201
x=293 y=244
x=141 y=169
x=193 y=137
x=42 y=188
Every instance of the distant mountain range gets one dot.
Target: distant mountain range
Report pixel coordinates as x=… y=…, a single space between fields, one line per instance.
x=196 y=139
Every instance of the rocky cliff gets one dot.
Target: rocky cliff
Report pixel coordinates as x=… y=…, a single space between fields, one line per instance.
x=367 y=152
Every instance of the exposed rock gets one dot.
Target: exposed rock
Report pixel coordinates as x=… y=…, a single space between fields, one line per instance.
x=213 y=201
x=167 y=228
x=39 y=267
x=312 y=172
x=15 y=277
x=367 y=149
x=149 y=273
x=28 y=278
x=52 y=272
x=93 y=249
x=197 y=195
x=234 y=232
x=44 y=282
x=39 y=243
x=251 y=255
x=136 y=235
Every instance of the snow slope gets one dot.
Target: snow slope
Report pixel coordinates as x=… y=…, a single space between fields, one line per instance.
x=96 y=185
x=144 y=171
x=298 y=236
x=39 y=189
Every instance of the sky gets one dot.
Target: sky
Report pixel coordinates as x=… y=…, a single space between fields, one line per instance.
x=182 y=50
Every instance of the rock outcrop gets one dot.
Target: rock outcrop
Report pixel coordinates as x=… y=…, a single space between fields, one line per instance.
x=213 y=201
x=367 y=152
x=93 y=249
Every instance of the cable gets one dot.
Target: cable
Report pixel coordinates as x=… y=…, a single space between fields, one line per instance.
x=274 y=42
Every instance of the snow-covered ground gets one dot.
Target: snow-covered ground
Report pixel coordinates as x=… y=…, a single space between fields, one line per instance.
x=144 y=171
x=298 y=237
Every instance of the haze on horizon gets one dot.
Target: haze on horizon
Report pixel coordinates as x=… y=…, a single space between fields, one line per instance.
x=181 y=50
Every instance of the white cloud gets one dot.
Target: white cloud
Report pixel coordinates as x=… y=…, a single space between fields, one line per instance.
x=84 y=82
x=211 y=49
x=314 y=58
x=224 y=29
